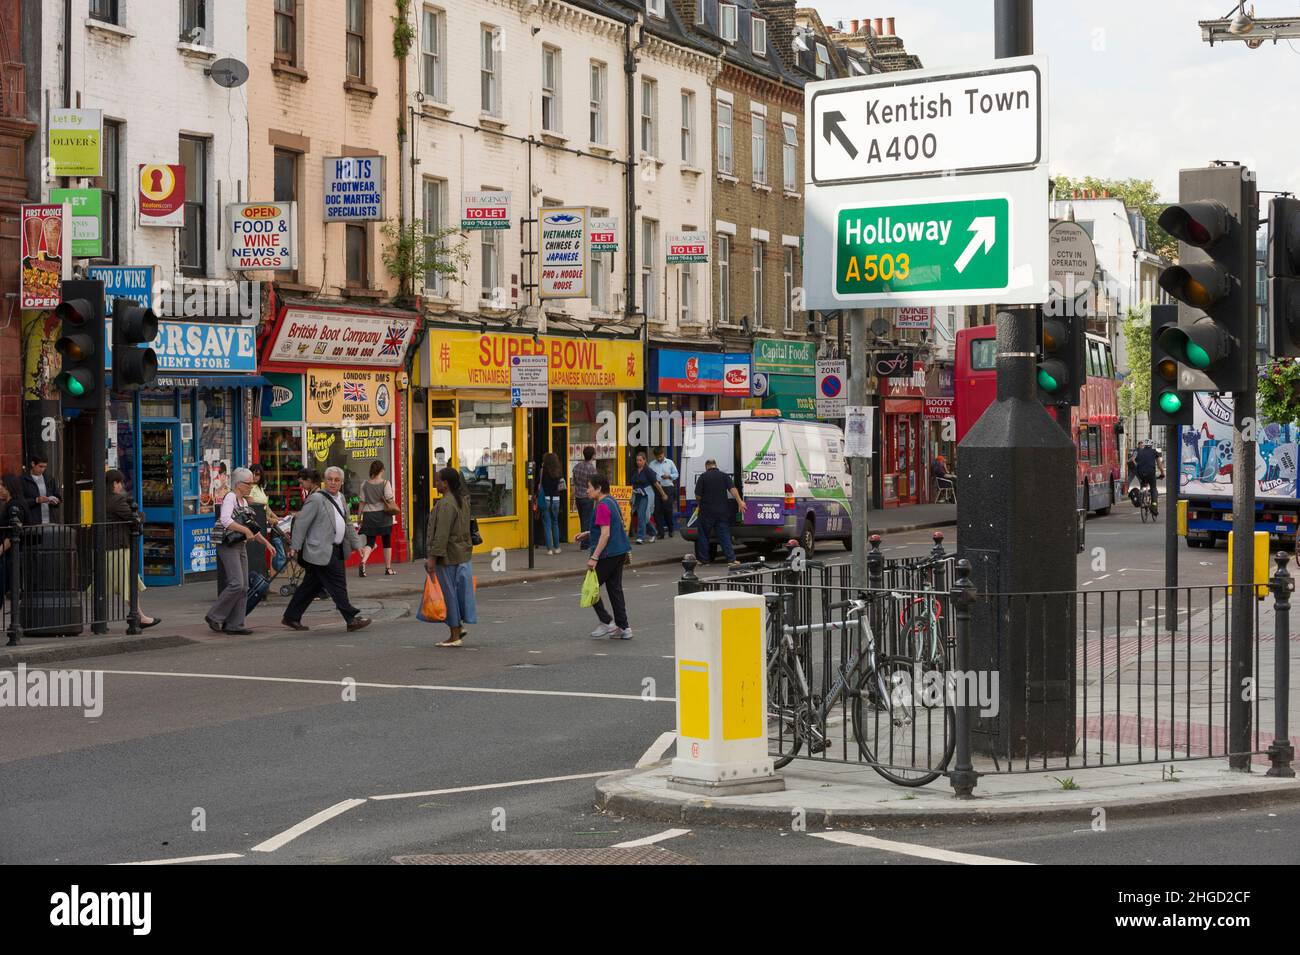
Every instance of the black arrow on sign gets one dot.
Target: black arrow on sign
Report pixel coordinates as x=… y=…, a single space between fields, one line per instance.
x=831 y=126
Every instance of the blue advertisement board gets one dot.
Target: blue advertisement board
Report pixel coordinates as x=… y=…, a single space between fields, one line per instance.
x=701 y=373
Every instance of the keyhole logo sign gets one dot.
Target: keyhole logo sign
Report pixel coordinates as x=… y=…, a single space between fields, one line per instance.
x=162 y=195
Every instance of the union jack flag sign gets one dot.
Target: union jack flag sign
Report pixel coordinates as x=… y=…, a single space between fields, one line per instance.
x=393 y=340
x=354 y=391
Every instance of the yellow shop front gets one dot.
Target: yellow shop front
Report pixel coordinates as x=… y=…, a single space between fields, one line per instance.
x=463 y=417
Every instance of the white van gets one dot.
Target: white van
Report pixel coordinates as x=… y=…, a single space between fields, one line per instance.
x=791 y=474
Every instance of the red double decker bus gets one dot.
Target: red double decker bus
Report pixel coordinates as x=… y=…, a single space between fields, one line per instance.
x=1094 y=423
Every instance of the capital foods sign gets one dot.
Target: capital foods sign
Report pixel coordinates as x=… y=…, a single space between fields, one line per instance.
x=307 y=337
x=468 y=359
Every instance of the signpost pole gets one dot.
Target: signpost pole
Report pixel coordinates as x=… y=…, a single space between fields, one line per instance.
x=858 y=465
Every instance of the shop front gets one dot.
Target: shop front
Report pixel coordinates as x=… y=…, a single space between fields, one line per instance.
x=785 y=376
x=463 y=378
x=940 y=418
x=178 y=440
x=332 y=399
x=902 y=463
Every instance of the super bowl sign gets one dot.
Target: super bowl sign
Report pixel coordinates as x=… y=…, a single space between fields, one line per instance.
x=702 y=373
x=563 y=253
x=262 y=235
x=685 y=248
x=485 y=210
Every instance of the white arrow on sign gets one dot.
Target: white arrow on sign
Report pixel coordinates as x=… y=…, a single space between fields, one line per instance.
x=985 y=229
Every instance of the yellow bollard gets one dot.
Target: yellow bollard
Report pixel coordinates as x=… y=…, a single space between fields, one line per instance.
x=87 y=508
x=1182 y=518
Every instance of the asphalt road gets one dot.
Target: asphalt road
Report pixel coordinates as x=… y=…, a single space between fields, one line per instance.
x=229 y=750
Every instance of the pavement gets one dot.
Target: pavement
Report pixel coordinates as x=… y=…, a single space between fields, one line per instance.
x=380 y=596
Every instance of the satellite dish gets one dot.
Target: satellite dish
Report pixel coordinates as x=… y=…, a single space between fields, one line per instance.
x=880 y=327
x=228 y=73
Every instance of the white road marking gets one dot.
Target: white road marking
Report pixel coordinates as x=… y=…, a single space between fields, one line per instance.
x=657 y=749
x=540 y=599
x=393 y=686
x=644 y=586
x=509 y=785
x=650 y=840
x=211 y=858
x=308 y=824
x=908 y=849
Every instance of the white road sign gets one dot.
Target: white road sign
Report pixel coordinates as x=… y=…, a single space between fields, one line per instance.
x=956 y=211
x=1072 y=259
x=529 y=379
x=832 y=387
x=926 y=122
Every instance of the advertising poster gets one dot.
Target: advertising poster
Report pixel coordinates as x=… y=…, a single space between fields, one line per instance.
x=262 y=235
x=623 y=494
x=354 y=188
x=1206 y=454
x=348 y=397
x=86 y=220
x=162 y=195
x=703 y=373
x=563 y=253
x=485 y=210
x=74 y=143
x=46 y=255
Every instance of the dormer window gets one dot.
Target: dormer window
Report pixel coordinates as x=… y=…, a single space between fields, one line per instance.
x=728 y=22
x=823 y=62
x=655 y=8
x=758 y=36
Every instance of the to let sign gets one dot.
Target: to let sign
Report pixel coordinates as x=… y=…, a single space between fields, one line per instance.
x=685 y=248
x=485 y=210
x=604 y=234
x=563 y=253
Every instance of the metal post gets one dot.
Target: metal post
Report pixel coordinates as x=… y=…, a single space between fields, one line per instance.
x=688 y=583
x=1172 y=468
x=1013 y=28
x=1280 y=751
x=133 y=586
x=858 y=465
x=99 y=510
x=963 y=777
x=14 y=582
x=876 y=582
x=1241 y=665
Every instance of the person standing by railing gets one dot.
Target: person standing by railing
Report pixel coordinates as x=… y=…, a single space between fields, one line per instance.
x=13 y=505
x=120 y=509
x=40 y=491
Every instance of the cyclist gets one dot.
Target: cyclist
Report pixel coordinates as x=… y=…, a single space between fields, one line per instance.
x=1148 y=465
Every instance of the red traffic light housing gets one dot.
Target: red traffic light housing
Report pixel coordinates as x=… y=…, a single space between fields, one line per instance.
x=81 y=345
x=133 y=325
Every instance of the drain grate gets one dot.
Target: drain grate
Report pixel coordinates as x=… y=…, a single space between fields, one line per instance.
x=640 y=855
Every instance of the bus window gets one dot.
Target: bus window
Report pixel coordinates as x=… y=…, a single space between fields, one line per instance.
x=1110 y=361
x=983 y=354
x=1094 y=361
x=1094 y=445
x=1083 y=445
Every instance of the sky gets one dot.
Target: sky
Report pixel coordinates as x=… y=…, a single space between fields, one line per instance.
x=1135 y=92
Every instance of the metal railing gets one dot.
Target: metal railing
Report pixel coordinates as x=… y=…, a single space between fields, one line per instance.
x=61 y=579
x=988 y=684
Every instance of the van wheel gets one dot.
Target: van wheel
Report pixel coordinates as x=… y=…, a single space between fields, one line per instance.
x=808 y=541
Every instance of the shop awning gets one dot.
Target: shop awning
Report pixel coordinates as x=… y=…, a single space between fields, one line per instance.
x=168 y=380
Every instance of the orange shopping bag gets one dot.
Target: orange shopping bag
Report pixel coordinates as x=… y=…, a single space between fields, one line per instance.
x=433 y=606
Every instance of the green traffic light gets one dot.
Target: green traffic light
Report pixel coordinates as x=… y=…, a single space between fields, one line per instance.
x=71 y=385
x=1047 y=381
x=1171 y=402
x=1197 y=356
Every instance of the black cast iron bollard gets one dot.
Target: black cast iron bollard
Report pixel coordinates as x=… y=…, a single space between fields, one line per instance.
x=1281 y=752
x=876 y=582
x=963 y=777
x=936 y=567
x=133 y=586
x=14 y=583
x=689 y=583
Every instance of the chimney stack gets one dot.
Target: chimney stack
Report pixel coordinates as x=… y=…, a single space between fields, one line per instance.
x=854 y=24
x=889 y=26
x=877 y=25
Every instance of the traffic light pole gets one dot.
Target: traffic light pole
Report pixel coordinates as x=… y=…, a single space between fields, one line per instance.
x=1243 y=571
x=859 y=488
x=99 y=510
x=1173 y=442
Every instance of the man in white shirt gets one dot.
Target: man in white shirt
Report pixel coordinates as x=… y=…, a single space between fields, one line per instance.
x=41 y=491
x=666 y=506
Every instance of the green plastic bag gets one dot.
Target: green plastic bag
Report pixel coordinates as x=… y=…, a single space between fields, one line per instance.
x=590 y=590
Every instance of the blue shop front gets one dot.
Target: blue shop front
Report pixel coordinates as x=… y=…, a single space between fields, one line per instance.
x=178 y=440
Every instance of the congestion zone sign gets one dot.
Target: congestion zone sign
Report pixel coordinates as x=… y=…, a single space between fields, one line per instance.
x=923 y=247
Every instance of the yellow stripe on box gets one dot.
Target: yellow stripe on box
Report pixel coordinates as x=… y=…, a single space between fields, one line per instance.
x=742 y=673
x=693 y=698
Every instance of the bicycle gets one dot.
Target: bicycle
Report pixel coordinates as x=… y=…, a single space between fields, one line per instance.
x=879 y=687
x=1147 y=507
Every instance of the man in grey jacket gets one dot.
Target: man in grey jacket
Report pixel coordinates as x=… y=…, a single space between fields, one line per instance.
x=321 y=541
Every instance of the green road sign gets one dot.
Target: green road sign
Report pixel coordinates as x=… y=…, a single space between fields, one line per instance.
x=923 y=247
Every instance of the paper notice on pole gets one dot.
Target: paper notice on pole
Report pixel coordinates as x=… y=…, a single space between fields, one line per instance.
x=857 y=431
x=529 y=381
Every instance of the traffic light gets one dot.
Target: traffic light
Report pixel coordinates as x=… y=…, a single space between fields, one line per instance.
x=133 y=325
x=1169 y=404
x=1061 y=369
x=1284 y=275
x=81 y=345
x=1214 y=280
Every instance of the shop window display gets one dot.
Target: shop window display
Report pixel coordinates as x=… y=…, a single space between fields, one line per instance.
x=587 y=412
x=485 y=445
x=352 y=449
x=279 y=451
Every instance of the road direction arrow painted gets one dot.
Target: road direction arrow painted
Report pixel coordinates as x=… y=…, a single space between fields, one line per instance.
x=831 y=127
x=985 y=228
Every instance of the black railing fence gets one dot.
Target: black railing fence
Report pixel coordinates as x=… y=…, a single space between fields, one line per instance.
x=63 y=579
x=918 y=675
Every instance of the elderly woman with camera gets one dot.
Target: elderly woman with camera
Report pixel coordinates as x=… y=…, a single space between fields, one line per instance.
x=234 y=528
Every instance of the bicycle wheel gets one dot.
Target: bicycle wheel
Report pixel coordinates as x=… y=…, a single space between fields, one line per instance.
x=785 y=712
x=904 y=726
x=1146 y=512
